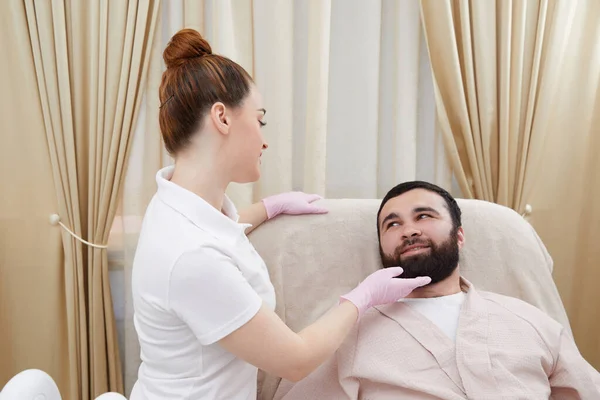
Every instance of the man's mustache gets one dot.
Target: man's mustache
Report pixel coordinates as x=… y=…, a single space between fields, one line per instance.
x=411 y=242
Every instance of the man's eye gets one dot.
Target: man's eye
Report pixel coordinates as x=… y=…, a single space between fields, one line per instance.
x=391 y=224
x=422 y=216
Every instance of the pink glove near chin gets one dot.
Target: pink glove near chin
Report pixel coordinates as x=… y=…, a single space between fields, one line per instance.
x=381 y=287
x=293 y=203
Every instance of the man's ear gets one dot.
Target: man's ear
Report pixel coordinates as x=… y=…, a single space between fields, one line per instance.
x=460 y=237
x=219 y=117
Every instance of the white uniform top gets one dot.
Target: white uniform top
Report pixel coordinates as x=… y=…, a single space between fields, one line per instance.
x=196 y=278
x=443 y=311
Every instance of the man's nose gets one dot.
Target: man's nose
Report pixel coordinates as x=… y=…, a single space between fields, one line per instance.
x=410 y=231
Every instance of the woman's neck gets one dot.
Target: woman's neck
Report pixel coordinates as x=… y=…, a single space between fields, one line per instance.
x=204 y=180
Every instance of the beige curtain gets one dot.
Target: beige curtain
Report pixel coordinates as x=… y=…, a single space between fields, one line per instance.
x=89 y=61
x=584 y=300
x=515 y=83
x=32 y=285
x=565 y=196
x=495 y=78
x=350 y=112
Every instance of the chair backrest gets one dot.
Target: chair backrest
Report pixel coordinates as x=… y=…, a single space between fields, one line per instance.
x=31 y=384
x=313 y=259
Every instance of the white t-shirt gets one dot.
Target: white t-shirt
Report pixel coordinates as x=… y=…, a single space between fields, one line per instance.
x=443 y=311
x=196 y=278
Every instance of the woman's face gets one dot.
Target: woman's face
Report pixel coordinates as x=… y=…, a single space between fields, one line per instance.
x=246 y=142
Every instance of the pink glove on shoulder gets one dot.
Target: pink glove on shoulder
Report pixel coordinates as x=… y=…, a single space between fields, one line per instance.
x=294 y=203
x=381 y=287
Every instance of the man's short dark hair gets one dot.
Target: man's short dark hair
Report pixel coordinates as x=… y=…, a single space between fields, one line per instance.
x=402 y=188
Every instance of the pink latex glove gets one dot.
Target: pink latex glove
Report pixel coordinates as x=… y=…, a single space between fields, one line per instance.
x=381 y=287
x=294 y=203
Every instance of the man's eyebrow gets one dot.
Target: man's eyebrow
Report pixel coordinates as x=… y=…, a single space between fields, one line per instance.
x=263 y=111
x=389 y=217
x=425 y=209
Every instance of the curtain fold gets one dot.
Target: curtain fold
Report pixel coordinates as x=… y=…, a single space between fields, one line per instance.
x=90 y=63
x=585 y=315
x=400 y=82
x=113 y=131
x=310 y=134
x=47 y=31
x=273 y=52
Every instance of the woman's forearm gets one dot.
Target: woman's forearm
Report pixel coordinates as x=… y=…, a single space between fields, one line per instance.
x=325 y=335
x=255 y=214
x=267 y=343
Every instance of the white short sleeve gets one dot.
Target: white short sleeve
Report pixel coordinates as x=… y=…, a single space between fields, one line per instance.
x=210 y=294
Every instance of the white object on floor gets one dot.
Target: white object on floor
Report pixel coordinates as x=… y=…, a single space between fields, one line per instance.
x=34 y=384
x=31 y=384
x=111 y=396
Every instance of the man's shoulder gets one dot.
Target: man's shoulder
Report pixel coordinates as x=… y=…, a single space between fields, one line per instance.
x=512 y=304
x=521 y=309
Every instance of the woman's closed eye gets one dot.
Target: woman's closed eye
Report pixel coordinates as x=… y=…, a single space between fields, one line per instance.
x=262 y=123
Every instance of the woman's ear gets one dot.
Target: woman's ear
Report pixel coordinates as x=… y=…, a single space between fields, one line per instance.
x=219 y=118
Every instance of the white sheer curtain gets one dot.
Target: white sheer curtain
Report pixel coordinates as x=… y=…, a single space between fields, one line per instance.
x=350 y=109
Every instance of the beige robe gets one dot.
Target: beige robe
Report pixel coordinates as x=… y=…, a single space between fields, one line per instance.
x=505 y=349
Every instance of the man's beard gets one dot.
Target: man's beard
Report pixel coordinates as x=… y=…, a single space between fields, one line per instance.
x=438 y=263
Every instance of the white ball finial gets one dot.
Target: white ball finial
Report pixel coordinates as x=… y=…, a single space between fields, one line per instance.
x=54 y=218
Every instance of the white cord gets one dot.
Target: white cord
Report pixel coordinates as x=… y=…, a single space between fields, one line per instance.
x=55 y=220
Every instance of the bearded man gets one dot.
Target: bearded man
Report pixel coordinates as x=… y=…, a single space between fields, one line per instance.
x=446 y=340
